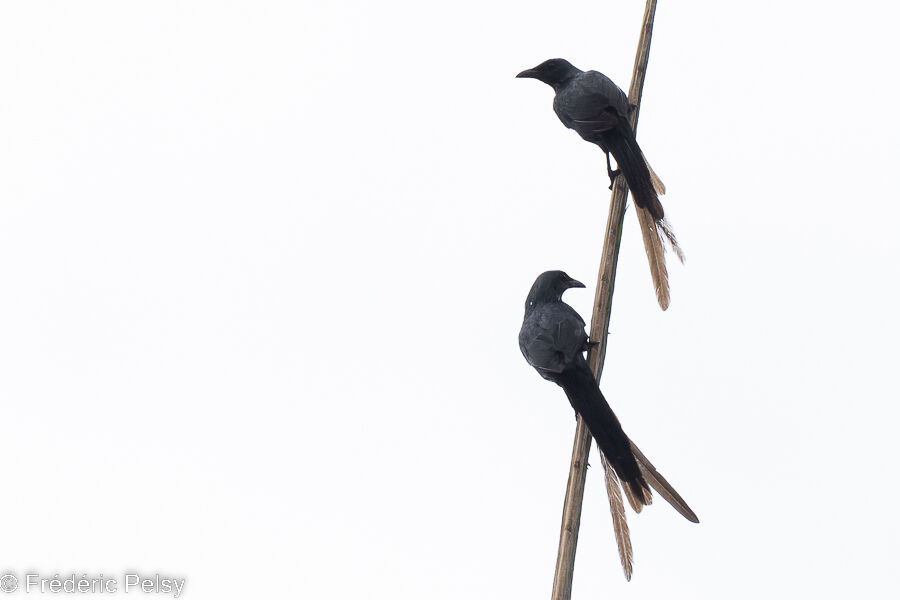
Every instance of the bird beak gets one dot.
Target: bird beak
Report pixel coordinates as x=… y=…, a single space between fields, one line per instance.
x=575 y=284
x=528 y=73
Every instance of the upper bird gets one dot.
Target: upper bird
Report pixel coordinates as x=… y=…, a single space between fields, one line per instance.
x=591 y=104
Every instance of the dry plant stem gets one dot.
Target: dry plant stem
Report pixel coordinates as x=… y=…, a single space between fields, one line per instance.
x=568 y=537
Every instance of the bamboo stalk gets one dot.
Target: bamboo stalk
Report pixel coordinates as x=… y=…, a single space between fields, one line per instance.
x=571 y=519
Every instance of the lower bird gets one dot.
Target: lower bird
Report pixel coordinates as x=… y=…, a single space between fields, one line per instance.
x=553 y=341
x=598 y=110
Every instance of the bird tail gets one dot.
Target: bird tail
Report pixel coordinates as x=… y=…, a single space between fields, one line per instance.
x=645 y=186
x=656 y=256
x=624 y=147
x=658 y=185
x=663 y=487
x=587 y=400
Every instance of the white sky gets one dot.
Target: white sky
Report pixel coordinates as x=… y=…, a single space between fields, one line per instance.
x=264 y=267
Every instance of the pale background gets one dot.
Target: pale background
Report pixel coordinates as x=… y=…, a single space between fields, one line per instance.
x=263 y=266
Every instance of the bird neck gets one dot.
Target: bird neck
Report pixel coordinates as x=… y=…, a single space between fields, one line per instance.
x=566 y=79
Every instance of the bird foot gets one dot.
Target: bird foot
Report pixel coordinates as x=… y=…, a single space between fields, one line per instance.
x=609 y=171
x=612 y=177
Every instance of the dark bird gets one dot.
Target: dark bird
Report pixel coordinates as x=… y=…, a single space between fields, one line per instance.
x=553 y=341
x=591 y=104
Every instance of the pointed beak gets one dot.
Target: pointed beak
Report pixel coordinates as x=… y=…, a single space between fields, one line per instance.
x=573 y=283
x=528 y=73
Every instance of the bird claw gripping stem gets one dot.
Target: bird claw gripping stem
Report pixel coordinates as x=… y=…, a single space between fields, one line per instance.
x=612 y=173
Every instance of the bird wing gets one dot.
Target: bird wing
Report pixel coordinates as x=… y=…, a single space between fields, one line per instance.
x=602 y=122
x=596 y=83
x=553 y=338
x=593 y=101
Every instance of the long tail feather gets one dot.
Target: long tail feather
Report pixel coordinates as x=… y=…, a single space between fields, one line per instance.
x=655 y=256
x=658 y=185
x=620 y=524
x=663 y=487
x=637 y=504
x=666 y=231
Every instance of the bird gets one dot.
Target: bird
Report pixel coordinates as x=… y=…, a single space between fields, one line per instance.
x=597 y=109
x=553 y=341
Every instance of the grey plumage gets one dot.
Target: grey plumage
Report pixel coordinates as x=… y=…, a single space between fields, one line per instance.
x=553 y=341
x=597 y=109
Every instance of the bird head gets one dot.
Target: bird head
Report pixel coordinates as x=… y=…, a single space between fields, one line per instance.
x=549 y=287
x=553 y=72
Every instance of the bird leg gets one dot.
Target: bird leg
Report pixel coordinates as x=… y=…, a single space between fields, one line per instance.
x=612 y=174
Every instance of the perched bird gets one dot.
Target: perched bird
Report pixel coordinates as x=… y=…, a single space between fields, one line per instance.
x=553 y=341
x=591 y=104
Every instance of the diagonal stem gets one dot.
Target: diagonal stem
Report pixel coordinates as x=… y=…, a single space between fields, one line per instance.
x=571 y=519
